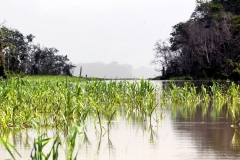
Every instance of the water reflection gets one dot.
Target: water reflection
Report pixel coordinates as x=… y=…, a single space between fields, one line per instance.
x=235 y=143
x=193 y=133
x=209 y=126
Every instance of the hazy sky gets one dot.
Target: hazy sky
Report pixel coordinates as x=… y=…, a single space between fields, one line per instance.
x=98 y=30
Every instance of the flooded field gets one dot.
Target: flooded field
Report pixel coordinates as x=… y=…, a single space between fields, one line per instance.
x=182 y=130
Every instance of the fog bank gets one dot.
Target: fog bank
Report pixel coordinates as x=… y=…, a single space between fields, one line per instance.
x=113 y=70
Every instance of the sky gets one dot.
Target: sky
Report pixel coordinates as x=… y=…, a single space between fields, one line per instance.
x=90 y=31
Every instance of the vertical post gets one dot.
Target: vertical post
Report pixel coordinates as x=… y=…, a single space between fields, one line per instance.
x=80 y=75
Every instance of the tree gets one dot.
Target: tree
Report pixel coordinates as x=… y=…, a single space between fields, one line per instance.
x=15 y=46
x=205 y=46
x=44 y=61
x=163 y=58
x=22 y=56
x=2 y=62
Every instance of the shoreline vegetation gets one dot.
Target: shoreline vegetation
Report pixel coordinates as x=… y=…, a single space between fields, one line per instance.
x=206 y=46
x=186 y=78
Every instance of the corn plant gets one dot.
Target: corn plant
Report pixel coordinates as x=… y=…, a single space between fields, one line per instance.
x=10 y=148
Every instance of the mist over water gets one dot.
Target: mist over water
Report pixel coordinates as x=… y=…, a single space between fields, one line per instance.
x=114 y=70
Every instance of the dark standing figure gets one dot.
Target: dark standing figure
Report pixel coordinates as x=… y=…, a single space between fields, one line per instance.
x=163 y=72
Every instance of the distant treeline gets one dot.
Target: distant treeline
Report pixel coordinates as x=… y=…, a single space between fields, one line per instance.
x=205 y=46
x=19 y=55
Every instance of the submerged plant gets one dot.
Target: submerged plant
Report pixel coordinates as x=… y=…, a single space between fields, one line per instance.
x=38 y=145
x=10 y=148
x=70 y=142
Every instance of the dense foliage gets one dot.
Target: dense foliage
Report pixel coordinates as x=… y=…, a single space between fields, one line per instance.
x=19 y=55
x=205 y=46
